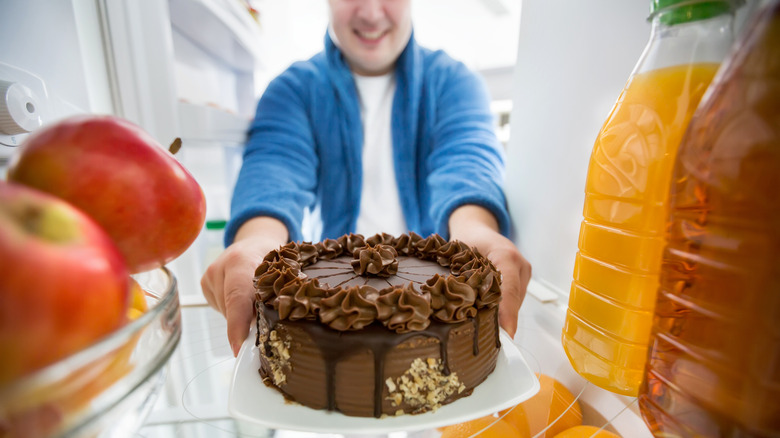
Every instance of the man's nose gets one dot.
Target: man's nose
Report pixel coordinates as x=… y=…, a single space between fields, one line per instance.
x=371 y=10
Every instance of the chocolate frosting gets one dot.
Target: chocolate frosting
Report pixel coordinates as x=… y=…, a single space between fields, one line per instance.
x=291 y=251
x=350 y=242
x=428 y=249
x=378 y=259
x=329 y=249
x=308 y=253
x=270 y=278
x=406 y=244
x=404 y=309
x=380 y=239
x=299 y=299
x=485 y=280
x=349 y=309
x=449 y=250
x=451 y=299
x=474 y=283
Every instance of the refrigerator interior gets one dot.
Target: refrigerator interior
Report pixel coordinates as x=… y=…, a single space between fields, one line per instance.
x=569 y=69
x=194 y=68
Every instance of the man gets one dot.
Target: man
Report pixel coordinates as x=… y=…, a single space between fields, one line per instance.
x=374 y=118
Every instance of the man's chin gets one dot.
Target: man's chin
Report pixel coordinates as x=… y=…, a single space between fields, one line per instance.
x=372 y=68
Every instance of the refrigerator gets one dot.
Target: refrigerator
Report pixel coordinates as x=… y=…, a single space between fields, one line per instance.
x=193 y=69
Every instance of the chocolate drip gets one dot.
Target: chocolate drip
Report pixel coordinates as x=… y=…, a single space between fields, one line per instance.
x=331 y=358
x=441 y=332
x=379 y=372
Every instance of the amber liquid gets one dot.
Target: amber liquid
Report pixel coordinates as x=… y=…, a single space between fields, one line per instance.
x=621 y=237
x=714 y=357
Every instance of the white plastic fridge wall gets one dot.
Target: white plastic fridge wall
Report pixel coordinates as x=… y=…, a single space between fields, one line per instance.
x=572 y=62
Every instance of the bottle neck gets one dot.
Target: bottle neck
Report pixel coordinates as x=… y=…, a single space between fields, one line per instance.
x=674 y=41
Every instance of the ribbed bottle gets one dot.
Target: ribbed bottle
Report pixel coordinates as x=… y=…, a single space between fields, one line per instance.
x=713 y=365
x=622 y=233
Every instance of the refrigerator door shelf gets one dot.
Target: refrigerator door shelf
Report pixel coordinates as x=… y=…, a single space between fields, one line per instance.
x=207 y=123
x=221 y=28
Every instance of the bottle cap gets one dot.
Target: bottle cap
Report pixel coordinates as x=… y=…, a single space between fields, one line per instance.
x=216 y=224
x=685 y=11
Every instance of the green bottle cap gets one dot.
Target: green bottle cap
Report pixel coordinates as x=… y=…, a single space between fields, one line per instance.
x=216 y=224
x=685 y=11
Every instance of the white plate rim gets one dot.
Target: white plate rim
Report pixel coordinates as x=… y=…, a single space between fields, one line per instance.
x=510 y=365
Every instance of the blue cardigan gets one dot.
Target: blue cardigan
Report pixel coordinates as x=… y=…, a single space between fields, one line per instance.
x=304 y=146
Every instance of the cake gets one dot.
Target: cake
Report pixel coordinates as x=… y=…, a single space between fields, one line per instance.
x=377 y=326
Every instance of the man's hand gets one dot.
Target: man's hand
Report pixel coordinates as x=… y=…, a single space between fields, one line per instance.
x=477 y=227
x=227 y=283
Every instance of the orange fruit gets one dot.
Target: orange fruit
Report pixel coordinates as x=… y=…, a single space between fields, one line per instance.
x=586 y=432
x=137 y=301
x=486 y=427
x=552 y=401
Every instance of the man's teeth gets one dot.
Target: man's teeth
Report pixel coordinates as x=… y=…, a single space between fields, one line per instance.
x=371 y=35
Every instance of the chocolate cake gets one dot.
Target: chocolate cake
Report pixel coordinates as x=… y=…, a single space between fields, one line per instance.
x=377 y=326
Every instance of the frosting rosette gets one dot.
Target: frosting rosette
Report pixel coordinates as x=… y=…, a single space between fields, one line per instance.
x=485 y=279
x=451 y=300
x=268 y=284
x=307 y=253
x=449 y=250
x=379 y=260
x=380 y=239
x=349 y=309
x=329 y=249
x=406 y=244
x=428 y=248
x=299 y=299
x=289 y=251
x=350 y=242
x=463 y=258
x=404 y=309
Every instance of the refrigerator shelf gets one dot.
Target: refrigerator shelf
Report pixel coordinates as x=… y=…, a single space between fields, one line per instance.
x=221 y=28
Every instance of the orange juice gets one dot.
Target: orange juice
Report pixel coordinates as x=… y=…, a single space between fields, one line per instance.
x=621 y=237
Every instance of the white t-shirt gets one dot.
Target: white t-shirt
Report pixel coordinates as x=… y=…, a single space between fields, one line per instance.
x=380 y=204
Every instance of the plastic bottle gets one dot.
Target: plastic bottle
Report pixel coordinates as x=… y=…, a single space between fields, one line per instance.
x=621 y=237
x=213 y=241
x=714 y=357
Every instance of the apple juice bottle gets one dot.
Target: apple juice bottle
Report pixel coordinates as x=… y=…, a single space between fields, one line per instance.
x=714 y=358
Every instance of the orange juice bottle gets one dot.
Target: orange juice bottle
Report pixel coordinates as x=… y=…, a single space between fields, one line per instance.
x=713 y=367
x=621 y=236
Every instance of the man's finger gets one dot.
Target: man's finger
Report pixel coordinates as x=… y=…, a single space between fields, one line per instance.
x=239 y=311
x=207 y=287
x=510 y=305
x=507 y=321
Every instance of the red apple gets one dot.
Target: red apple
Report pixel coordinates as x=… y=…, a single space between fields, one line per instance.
x=115 y=172
x=63 y=282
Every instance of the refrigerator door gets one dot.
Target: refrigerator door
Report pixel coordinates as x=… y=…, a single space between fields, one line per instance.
x=187 y=68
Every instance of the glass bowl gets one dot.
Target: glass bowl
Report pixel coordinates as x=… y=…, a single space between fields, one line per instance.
x=108 y=388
